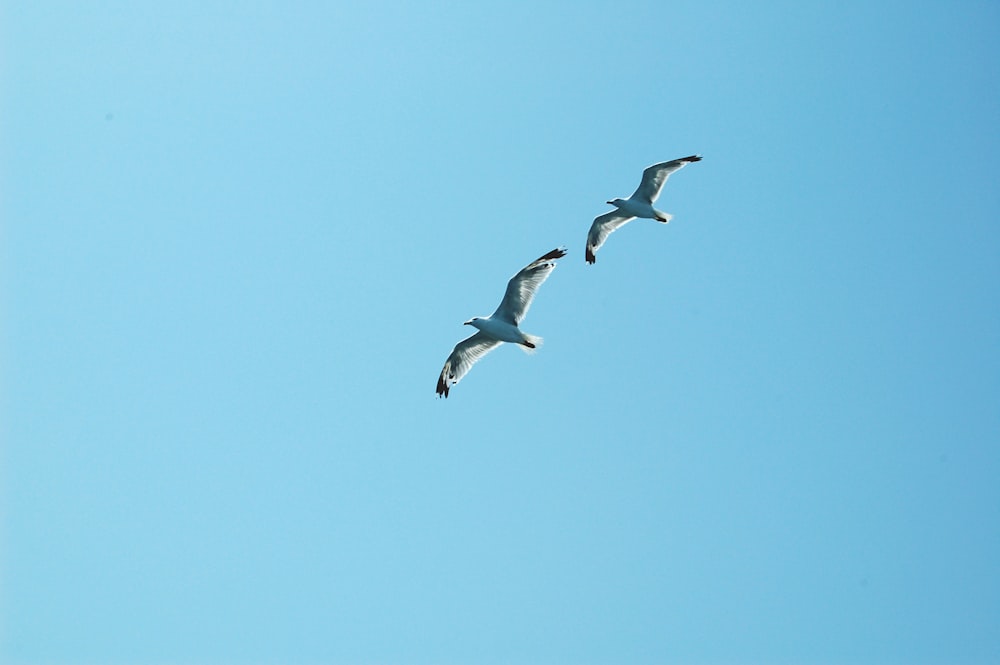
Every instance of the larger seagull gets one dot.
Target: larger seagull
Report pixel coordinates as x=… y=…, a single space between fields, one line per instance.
x=640 y=204
x=501 y=326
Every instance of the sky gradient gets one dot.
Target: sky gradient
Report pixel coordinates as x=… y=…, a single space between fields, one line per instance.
x=239 y=240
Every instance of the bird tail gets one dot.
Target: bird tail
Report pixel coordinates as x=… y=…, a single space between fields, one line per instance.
x=530 y=343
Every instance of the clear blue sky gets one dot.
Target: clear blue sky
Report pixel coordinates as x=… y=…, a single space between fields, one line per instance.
x=239 y=241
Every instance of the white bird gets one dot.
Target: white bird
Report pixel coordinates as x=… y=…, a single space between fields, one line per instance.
x=501 y=326
x=640 y=204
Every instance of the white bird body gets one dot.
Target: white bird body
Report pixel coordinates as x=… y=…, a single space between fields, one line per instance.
x=502 y=325
x=634 y=208
x=640 y=204
x=502 y=330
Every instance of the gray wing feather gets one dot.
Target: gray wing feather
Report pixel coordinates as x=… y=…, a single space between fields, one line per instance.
x=462 y=358
x=522 y=287
x=654 y=177
x=602 y=227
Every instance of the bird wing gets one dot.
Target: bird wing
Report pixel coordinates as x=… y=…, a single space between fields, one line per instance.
x=522 y=287
x=462 y=358
x=654 y=177
x=602 y=228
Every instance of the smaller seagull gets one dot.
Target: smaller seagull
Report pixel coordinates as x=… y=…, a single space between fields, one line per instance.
x=501 y=326
x=640 y=204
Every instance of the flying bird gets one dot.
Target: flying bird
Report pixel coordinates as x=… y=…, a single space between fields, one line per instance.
x=640 y=204
x=502 y=325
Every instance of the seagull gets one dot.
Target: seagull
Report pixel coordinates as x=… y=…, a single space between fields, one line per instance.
x=640 y=204
x=501 y=326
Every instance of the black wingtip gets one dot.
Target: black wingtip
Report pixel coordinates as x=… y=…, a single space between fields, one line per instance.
x=557 y=253
x=442 y=387
x=692 y=158
x=590 y=256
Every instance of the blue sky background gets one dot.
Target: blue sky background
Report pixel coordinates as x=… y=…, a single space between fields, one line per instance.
x=239 y=241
